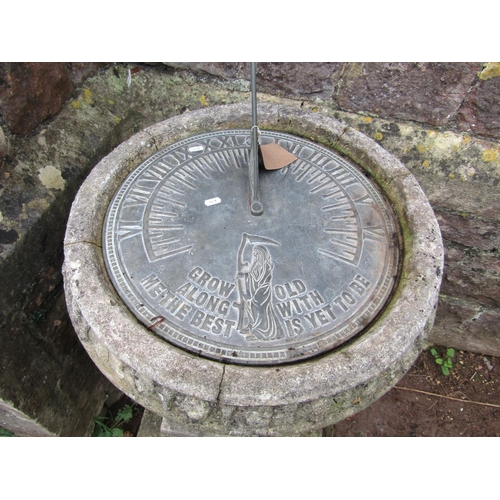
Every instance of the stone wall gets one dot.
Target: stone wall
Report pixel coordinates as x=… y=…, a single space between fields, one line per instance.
x=57 y=120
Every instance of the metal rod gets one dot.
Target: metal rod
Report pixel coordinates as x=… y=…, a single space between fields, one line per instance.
x=256 y=207
x=254 y=93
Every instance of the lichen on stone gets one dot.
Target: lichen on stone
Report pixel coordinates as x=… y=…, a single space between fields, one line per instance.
x=489 y=155
x=51 y=177
x=491 y=70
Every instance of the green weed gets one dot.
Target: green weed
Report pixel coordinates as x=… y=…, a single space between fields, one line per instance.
x=109 y=427
x=6 y=433
x=445 y=361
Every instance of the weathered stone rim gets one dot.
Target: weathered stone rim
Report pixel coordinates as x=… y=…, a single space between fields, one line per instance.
x=380 y=356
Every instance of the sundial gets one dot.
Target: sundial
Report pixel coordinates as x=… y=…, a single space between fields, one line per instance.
x=236 y=263
x=248 y=297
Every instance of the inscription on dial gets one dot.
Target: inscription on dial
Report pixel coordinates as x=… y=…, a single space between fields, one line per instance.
x=312 y=272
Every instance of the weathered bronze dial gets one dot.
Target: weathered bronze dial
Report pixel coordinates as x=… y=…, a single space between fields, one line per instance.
x=193 y=264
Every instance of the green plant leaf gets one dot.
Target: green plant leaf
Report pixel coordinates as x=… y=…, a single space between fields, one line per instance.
x=6 y=433
x=448 y=363
x=102 y=431
x=445 y=370
x=439 y=361
x=116 y=432
x=450 y=352
x=434 y=352
x=125 y=414
x=100 y=425
x=100 y=428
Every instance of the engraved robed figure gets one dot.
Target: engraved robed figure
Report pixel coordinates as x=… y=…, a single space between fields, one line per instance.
x=256 y=315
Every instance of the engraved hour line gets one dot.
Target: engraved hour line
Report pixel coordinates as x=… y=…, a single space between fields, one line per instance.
x=347 y=257
x=239 y=156
x=315 y=176
x=343 y=177
x=343 y=249
x=364 y=199
x=159 y=215
x=184 y=172
x=199 y=167
x=127 y=229
x=342 y=204
x=334 y=191
x=318 y=159
x=159 y=250
x=185 y=175
x=222 y=160
x=327 y=183
x=160 y=239
x=345 y=239
x=238 y=143
x=169 y=185
x=297 y=148
x=168 y=168
x=182 y=177
x=161 y=243
x=348 y=238
x=165 y=195
x=138 y=196
x=303 y=167
x=144 y=187
x=376 y=233
x=217 y=161
x=157 y=170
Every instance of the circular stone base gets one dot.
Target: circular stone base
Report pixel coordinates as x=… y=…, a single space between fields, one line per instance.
x=207 y=397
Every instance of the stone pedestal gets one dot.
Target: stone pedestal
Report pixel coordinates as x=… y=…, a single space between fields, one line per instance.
x=198 y=396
